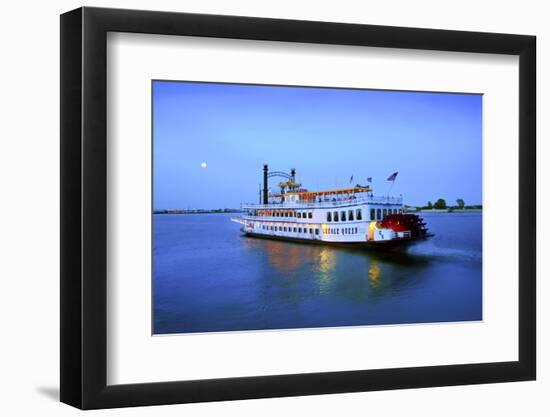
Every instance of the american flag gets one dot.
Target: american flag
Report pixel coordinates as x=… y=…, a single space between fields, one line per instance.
x=369 y=179
x=393 y=176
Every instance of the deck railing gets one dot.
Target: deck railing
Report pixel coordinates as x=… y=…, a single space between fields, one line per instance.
x=326 y=204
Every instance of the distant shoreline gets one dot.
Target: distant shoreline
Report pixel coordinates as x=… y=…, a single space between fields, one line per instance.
x=198 y=211
x=445 y=211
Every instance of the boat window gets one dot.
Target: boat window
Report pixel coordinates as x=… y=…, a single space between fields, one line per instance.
x=299 y=215
x=378 y=214
x=359 y=214
x=316 y=231
x=335 y=216
x=343 y=216
x=310 y=215
x=299 y=230
x=286 y=213
x=385 y=212
x=372 y=214
x=329 y=216
x=350 y=215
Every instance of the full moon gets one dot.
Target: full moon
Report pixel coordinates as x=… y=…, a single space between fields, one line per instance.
x=204 y=165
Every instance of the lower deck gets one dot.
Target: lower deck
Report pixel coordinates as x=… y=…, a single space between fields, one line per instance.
x=393 y=244
x=350 y=232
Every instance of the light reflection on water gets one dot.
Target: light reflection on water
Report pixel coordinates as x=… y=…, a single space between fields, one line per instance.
x=208 y=277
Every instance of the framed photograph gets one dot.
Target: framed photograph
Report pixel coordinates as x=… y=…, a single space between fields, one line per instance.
x=257 y=208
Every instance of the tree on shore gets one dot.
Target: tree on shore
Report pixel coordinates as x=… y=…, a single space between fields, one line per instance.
x=430 y=206
x=440 y=204
x=460 y=203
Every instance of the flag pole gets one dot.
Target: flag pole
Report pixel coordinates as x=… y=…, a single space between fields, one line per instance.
x=391 y=186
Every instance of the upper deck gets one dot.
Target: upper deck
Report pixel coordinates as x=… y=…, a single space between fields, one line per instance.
x=293 y=196
x=344 y=202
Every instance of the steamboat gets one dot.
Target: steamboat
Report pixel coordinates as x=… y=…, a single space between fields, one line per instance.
x=350 y=217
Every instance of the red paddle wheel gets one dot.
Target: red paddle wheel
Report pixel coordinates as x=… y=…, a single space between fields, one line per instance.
x=406 y=222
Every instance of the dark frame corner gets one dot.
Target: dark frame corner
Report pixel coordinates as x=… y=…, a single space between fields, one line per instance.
x=83 y=207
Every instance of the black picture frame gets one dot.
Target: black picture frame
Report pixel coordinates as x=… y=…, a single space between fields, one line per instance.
x=84 y=207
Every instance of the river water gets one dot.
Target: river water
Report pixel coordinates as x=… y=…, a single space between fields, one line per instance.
x=208 y=277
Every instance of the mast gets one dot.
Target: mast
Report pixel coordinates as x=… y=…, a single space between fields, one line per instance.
x=266 y=170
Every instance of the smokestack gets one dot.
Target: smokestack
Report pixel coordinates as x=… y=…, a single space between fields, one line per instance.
x=266 y=170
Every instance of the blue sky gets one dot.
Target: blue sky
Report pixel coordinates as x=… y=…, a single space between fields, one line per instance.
x=434 y=141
